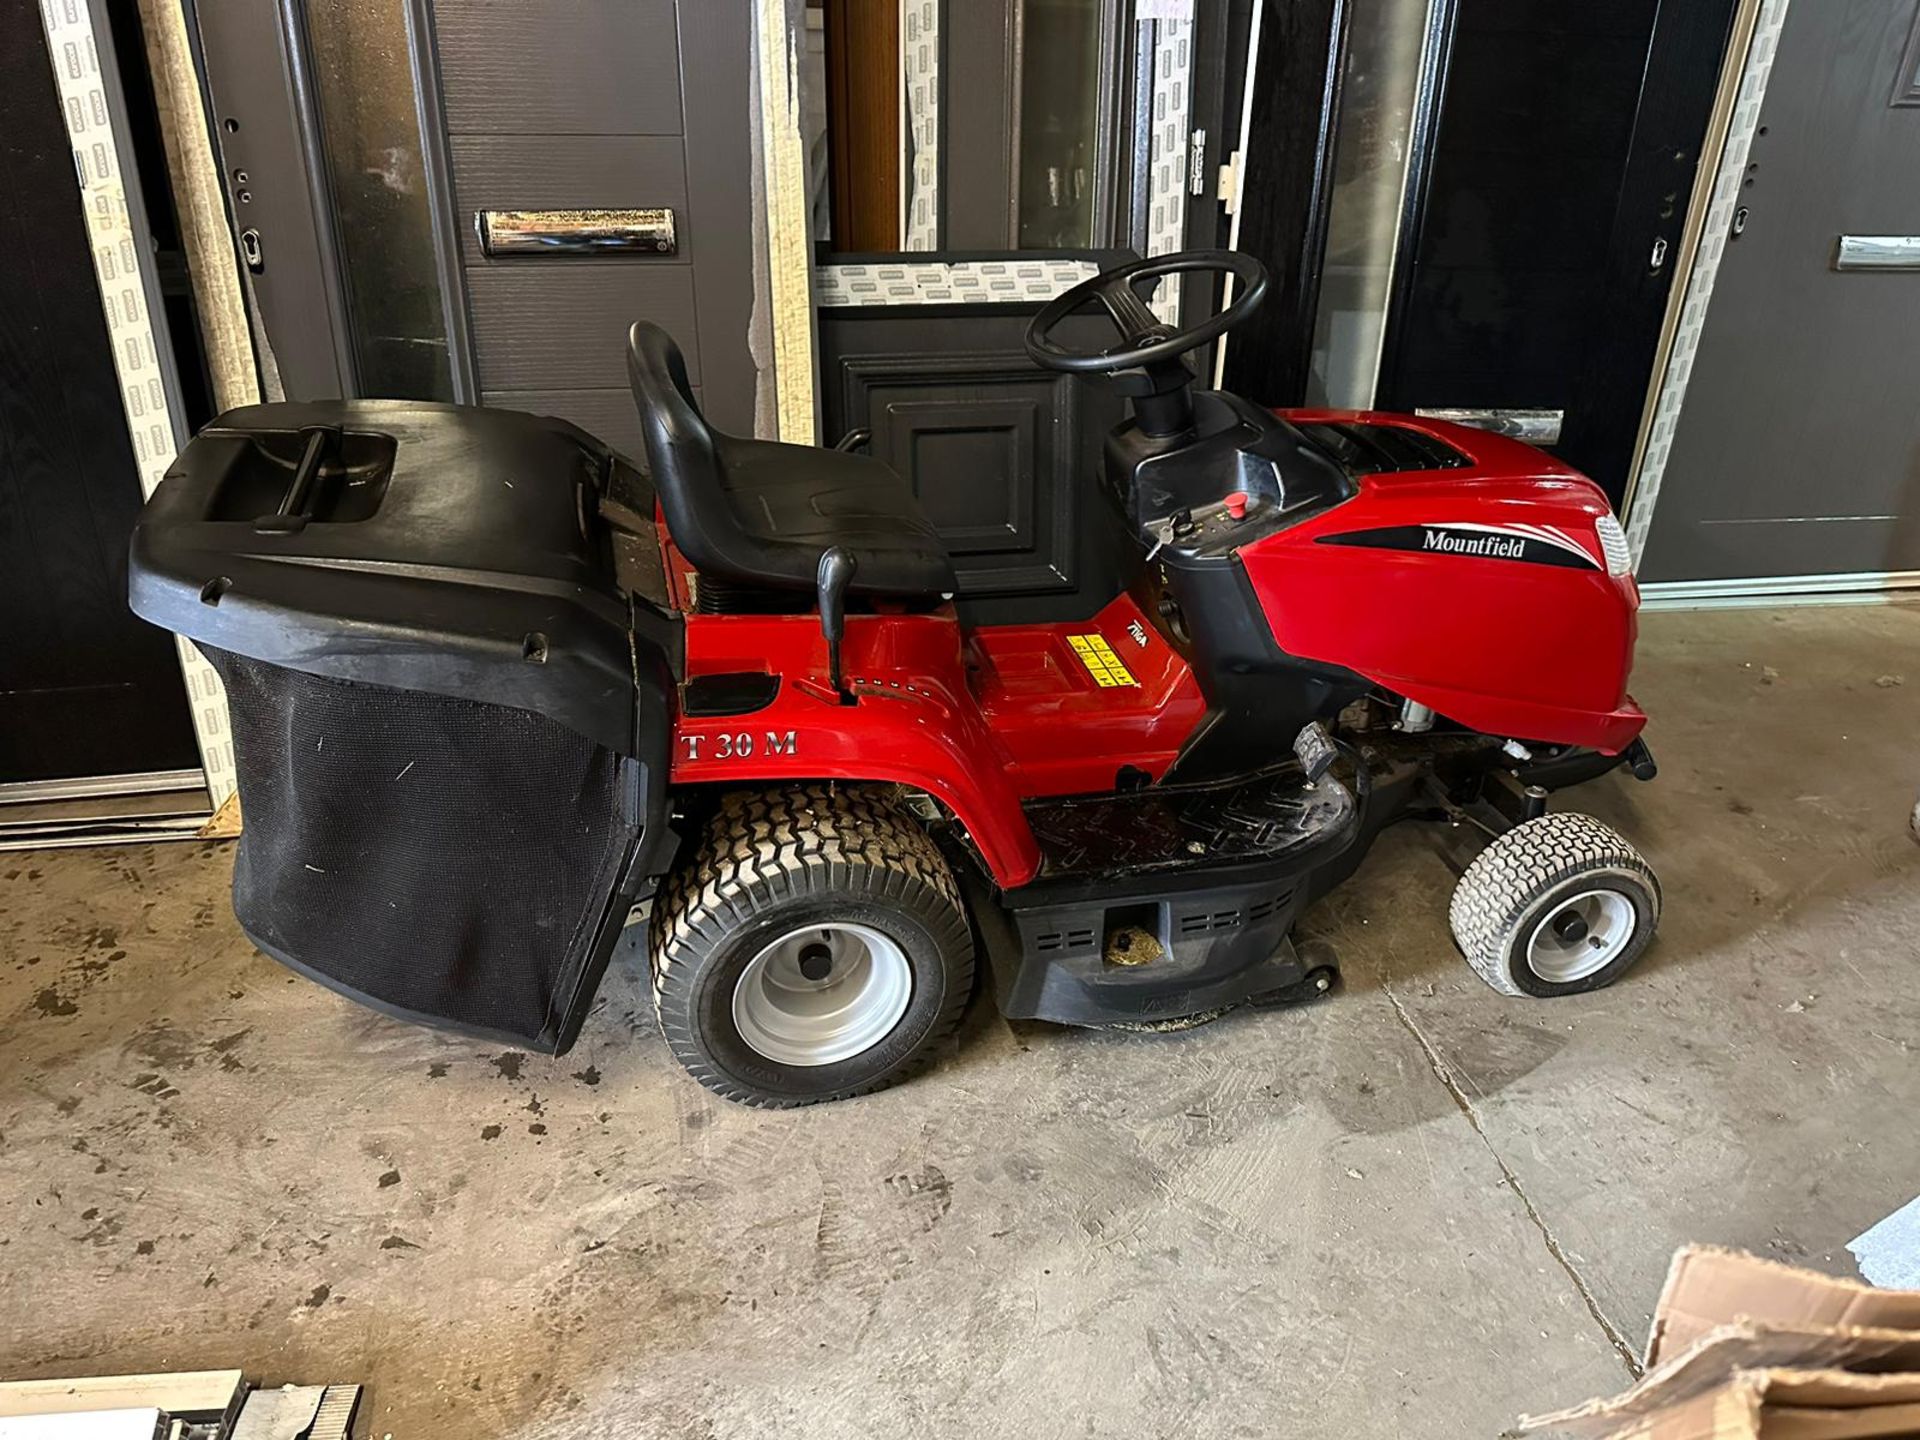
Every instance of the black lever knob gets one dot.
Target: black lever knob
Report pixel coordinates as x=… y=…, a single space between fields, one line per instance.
x=835 y=574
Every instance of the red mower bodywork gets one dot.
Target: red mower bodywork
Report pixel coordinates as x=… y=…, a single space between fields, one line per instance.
x=984 y=719
x=1536 y=651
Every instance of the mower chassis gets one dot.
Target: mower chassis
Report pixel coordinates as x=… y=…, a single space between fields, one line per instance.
x=1161 y=902
x=1181 y=901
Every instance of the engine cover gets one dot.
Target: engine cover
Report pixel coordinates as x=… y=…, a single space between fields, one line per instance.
x=1497 y=592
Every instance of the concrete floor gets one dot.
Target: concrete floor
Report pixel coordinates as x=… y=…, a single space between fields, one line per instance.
x=1415 y=1208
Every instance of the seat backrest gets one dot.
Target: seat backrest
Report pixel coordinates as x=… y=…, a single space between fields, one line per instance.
x=759 y=513
x=682 y=450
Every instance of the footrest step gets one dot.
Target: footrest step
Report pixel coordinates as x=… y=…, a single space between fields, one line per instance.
x=1161 y=830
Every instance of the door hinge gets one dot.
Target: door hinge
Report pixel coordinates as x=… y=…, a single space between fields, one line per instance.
x=1197 y=163
x=1227 y=186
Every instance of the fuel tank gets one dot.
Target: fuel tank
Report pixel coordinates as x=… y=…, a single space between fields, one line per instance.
x=1498 y=591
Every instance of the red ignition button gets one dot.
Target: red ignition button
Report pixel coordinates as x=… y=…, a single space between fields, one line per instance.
x=1237 y=505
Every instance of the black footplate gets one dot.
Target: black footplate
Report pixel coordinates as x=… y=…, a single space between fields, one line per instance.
x=1190 y=828
x=1163 y=903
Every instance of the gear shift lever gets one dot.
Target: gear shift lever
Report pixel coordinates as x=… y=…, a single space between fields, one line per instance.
x=832 y=579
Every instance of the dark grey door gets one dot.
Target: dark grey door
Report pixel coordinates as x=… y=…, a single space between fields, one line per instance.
x=1797 y=450
x=361 y=154
x=275 y=199
x=644 y=104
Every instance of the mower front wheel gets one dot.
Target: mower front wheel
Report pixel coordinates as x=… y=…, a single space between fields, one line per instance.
x=1556 y=906
x=813 y=946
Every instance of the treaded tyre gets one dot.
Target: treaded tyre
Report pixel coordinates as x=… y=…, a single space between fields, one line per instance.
x=1556 y=906
x=811 y=947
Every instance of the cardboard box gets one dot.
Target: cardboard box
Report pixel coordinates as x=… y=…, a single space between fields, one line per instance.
x=1708 y=1286
x=1789 y=1405
x=1743 y=1348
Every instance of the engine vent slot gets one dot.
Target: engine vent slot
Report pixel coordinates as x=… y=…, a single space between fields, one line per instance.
x=1372 y=448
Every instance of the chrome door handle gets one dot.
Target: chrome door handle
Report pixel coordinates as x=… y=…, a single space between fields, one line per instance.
x=575 y=232
x=1877 y=252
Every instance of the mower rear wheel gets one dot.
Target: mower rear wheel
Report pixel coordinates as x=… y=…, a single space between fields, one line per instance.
x=1556 y=906
x=813 y=946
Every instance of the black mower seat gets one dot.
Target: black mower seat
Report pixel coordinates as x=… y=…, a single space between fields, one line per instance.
x=757 y=513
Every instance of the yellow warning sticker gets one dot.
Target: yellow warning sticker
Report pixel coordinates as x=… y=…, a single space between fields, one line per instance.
x=1097 y=655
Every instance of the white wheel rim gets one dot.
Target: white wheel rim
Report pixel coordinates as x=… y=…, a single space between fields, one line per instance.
x=793 y=1014
x=1581 y=936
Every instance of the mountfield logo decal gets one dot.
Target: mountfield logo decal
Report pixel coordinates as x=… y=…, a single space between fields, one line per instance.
x=1501 y=547
x=1529 y=544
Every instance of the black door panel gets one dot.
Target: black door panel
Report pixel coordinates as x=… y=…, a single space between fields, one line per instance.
x=1003 y=455
x=1566 y=146
x=85 y=689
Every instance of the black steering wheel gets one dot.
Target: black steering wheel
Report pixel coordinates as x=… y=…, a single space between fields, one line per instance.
x=1145 y=340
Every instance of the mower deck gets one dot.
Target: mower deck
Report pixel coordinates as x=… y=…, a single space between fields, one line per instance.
x=1164 y=902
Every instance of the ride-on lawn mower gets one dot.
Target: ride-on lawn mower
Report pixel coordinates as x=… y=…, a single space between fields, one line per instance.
x=492 y=686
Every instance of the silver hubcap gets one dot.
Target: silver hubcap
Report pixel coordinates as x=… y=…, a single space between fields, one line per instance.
x=823 y=993
x=1580 y=936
